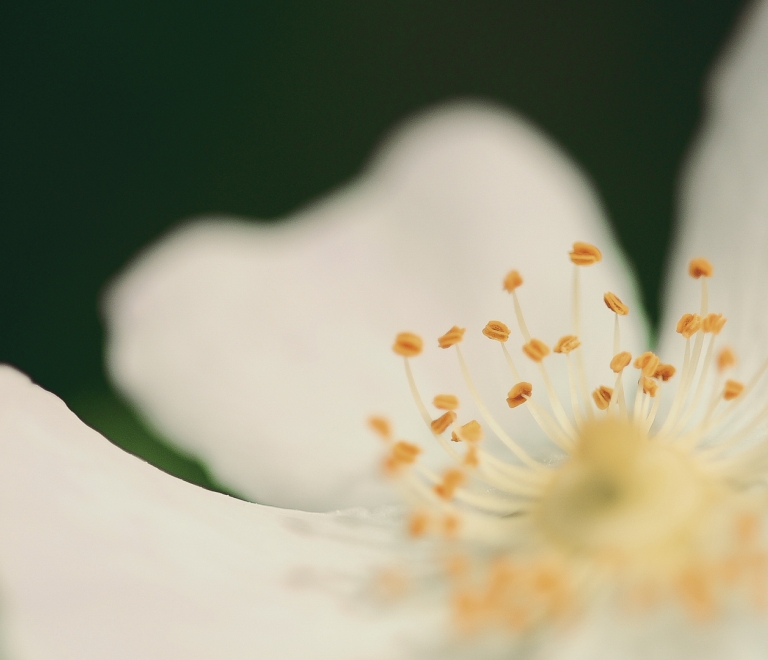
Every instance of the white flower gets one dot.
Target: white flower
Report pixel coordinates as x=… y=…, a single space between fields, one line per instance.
x=263 y=349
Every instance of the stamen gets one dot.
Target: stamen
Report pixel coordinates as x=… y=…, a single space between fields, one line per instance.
x=689 y=325
x=726 y=359
x=650 y=386
x=613 y=303
x=496 y=330
x=567 y=344
x=381 y=427
x=536 y=349
x=620 y=361
x=585 y=254
x=519 y=394
x=733 y=388
x=445 y=402
x=700 y=267
x=452 y=337
x=714 y=323
x=441 y=424
x=470 y=432
x=602 y=397
x=452 y=479
x=665 y=372
x=648 y=362
x=408 y=344
x=512 y=281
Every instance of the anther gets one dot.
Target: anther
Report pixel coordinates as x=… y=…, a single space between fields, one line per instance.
x=512 y=281
x=451 y=525
x=567 y=344
x=700 y=267
x=440 y=424
x=417 y=525
x=726 y=358
x=732 y=389
x=602 y=397
x=536 y=349
x=585 y=254
x=713 y=323
x=665 y=372
x=471 y=432
x=688 y=325
x=650 y=386
x=405 y=452
x=380 y=426
x=648 y=362
x=445 y=402
x=620 y=361
x=613 y=303
x=452 y=479
x=496 y=330
x=519 y=394
x=407 y=344
x=452 y=337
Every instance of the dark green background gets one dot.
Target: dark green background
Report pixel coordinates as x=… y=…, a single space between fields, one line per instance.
x=119 y=119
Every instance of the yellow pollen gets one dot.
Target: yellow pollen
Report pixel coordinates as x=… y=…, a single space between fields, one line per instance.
x=441 y=424
x=496 y=330
x=471 y=432
x=713 y=323
x=614 y=304
x=648 y=362
x=452 y=479
x=452 y=337
x=585 y=254
x=536 y=349
x=700 y=267
x=512 y=281
x=380 y=426
x=689 y=325
x=650 y=386
x=725 y=359
x=519 y=394
x=407 y=344
x=620 y=361
x=567 y=344
x=445 y=402
x=602 y=397
x=732 y=389
x=665 y=372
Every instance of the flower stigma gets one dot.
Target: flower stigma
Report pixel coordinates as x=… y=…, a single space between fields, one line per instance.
x=642 y=509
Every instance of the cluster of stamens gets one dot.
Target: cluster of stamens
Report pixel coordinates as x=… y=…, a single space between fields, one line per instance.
x=628 y=492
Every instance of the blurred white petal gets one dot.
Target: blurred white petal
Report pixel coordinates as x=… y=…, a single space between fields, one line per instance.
x=262 y=349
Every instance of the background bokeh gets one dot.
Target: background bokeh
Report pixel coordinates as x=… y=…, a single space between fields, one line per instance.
x=119 y=119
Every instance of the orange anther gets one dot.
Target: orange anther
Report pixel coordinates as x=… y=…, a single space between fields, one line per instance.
x=453 y=336
x=602 y=397
x=713 y=323
x=407 y=344
x=512 y=281
x=405 y=452
x=380 y=426
x=650 y=386
x=732 y=389
x=688 y=325
x=471 y=432
x=417 y=524
x=700 y=267
x=726 y=358
x=445 y=402
x=620 y=361
x=585 y=254
x=452 y=479
x=440 y=424
x=665 y=372
x=519 y=394
x=614 y=304
x=567 y=344
x=536 y=349
x=648 y=362
x=496 y=330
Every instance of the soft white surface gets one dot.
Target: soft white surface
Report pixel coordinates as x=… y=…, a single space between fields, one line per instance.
x=104 y=557
x=724 y=200
x=263 y=349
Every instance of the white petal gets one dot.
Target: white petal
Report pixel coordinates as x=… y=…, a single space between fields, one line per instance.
x=724 y=206
x=263 y=349
x=103 y=556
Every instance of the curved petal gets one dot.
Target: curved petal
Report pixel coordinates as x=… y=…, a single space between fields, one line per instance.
x=103 y=556
x=724 y=202
x=262 y=349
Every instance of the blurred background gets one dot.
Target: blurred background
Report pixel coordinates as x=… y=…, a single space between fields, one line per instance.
x=119 y=119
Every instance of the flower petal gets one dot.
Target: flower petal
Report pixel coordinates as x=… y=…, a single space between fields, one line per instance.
x=104 y=556
x=724 y=201
x=262 y=349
